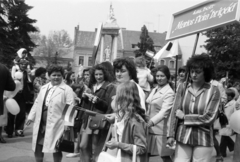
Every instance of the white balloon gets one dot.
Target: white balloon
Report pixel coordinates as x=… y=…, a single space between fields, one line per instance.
x=12 y=106
x=18 y=75
x=11 y=94
x=234 y=121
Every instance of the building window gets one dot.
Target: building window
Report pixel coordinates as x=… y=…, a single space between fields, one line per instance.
x=81 y=60
x=89 y=61
x=162 y=62
x=171 y=64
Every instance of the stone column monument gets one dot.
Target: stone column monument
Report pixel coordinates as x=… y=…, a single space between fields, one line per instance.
x=110 y=27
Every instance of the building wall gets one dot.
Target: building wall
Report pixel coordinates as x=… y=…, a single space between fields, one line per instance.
x=42 y=61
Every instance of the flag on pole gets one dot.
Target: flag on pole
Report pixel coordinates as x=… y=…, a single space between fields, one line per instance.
x=96 y=43
x=163 y=52
x=69 y=113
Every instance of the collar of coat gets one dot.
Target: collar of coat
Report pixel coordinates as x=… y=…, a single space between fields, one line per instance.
x=61 y=86
x=104 y=86
x=163 y=89
x=202 y=89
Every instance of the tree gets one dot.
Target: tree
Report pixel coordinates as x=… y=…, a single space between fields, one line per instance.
x=145 y=44
x=56 y=45
x=16 y=28
x=223 y=46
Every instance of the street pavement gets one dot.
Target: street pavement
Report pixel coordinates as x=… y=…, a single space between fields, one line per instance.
x=18 y=149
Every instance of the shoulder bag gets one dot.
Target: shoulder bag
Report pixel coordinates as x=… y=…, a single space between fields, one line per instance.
x=97 y=122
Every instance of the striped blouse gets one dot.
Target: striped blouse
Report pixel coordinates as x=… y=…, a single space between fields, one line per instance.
x=200 y=111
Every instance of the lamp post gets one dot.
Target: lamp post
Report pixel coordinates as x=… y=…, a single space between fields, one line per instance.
x=56 y=55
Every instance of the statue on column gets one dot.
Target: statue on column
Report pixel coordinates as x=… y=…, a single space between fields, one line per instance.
x=107 y=53
x=111 y=17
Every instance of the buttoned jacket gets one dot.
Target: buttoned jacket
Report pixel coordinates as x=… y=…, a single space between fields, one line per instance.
x=62 y=95
x=160 y=102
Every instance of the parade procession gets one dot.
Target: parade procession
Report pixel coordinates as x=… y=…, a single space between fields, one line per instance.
x=134 y=81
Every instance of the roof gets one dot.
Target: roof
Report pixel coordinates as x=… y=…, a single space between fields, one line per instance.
x=87 y=38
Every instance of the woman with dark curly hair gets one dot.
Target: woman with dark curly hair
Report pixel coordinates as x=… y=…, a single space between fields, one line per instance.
x=110 y=70
x=98 y=100
x=160 y=103
x=130 y=124
x=39 y=81
x=46 y=114
x=196 y=109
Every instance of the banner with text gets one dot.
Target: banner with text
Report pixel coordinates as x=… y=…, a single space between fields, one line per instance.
x=204 y=16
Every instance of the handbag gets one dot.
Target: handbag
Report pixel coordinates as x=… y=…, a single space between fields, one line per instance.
x=107 y=157
x=66 y=141
x=223 y=119
x=97 y=122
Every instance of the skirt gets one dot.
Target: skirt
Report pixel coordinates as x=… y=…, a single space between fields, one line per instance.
x=157 y=145
x=87 y=130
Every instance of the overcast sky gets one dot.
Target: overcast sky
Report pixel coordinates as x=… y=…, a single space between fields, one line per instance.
x=131 y=14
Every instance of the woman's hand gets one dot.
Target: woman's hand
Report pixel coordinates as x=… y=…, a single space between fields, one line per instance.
x=150 y=123
x=112 y=144
x=180 y=114
x=94 y=100
x=29 y=122
x=78 y=100
x=170 y=141
x=110 y=118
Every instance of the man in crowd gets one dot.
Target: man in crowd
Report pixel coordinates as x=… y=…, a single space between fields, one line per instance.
x=21 y=98
x=6 y=83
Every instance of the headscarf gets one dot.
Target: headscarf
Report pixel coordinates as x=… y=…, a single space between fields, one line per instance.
x=20 y=51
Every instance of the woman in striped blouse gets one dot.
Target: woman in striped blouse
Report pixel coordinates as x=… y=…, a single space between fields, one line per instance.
x=193 y=113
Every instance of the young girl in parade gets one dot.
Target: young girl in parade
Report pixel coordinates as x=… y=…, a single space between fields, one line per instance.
x=144 y=75
x=21 y=55
x=130 y=124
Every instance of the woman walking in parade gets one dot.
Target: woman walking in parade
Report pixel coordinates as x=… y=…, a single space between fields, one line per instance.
x=98 y=101
x=196 y=109
x=125 y=71
x=160 y=103
x=46 y=114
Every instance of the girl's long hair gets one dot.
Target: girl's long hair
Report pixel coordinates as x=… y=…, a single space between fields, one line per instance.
x=128 y=101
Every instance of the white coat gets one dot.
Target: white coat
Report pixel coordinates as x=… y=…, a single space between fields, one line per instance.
x=160 y=104
x=62 y=95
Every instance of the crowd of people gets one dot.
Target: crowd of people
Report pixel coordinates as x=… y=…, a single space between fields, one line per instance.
x=138 y=111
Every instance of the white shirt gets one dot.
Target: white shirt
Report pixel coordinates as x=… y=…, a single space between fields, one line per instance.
x=52 y=89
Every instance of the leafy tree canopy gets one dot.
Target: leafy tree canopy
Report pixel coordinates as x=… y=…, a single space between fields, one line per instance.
x=57 y=44
x=14 y=32
x=146 y=44
x=223 y=46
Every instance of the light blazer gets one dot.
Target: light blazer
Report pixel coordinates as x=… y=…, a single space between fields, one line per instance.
x=62 y=95
x=160 y=103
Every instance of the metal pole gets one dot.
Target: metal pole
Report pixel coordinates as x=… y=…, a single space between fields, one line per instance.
x=193 y=53
x=176 y=70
